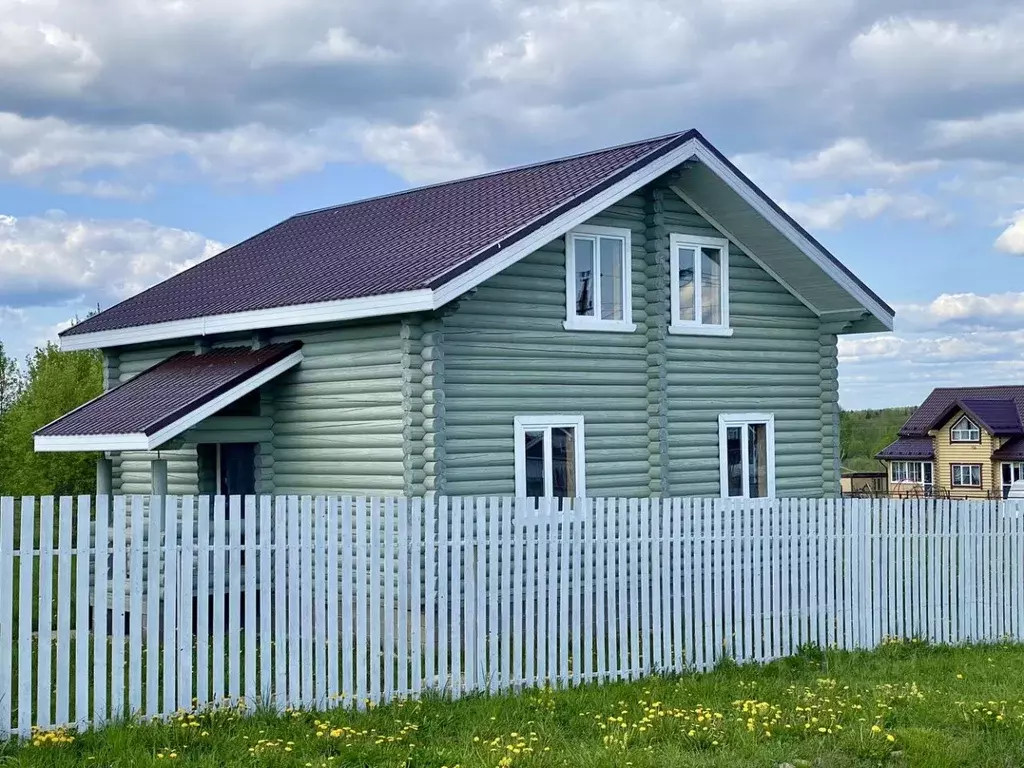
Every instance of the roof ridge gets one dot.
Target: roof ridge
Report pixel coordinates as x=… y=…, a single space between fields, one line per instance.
x=488 y=174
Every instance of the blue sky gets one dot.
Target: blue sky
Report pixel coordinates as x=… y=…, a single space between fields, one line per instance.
x=140 y=136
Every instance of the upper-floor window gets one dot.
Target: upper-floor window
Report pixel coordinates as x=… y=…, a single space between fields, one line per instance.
x=700 y=285
x=598 y=283
x=746 y=446
x=965 y=431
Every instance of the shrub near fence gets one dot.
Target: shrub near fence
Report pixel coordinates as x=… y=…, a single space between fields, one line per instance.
x=142 y=605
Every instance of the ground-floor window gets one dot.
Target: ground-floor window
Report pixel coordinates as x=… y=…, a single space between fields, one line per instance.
x=912 y=472
x=227 y=469
x=965 y=475
x=746 y=446
x=549 y=454
x=1012 y=472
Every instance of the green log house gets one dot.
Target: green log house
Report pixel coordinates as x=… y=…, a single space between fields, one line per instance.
x=637 y=321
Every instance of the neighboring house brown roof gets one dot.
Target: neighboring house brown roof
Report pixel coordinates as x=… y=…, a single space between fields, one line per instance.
x=940 y=401
x=1013 y=450
x=418 y=239
x=908 y=448
x=161 y=395
x=997 y=416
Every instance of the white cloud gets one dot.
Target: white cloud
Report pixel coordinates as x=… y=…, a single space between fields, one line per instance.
x=902 y=53
x=54 y=259
x=421 y=153
x=834 y=212
x=952 y=340
x=1012 y=238
x=851 y=158
x=45 y=57
x=990 y=127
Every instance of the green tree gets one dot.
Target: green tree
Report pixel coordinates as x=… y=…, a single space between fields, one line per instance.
x=10 y=383
x=55 y=382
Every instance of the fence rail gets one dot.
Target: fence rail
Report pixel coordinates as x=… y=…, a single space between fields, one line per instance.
x=118 y=606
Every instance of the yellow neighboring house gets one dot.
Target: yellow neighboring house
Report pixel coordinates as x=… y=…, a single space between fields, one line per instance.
x=964 y=442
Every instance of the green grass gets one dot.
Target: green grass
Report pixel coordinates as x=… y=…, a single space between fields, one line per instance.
x=904 y=705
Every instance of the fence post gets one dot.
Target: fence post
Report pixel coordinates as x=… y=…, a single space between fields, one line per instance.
x=6 y=610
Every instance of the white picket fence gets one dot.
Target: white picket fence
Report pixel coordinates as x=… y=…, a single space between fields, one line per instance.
x=339 y=602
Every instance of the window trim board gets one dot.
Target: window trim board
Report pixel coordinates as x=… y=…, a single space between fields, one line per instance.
x=726 y=420
x=536 y=422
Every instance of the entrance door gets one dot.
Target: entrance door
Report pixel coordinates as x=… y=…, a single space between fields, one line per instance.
x=229 y=469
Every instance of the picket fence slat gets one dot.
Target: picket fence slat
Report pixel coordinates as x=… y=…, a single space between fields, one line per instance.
x=147 y=605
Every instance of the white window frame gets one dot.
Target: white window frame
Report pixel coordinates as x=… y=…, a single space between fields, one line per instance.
x=952 y=475
x=524 y=424
x=972 y=429
x=905 y=463
x=697 y=326
x=574 y=322
x=744 y=420
x=1012 y=465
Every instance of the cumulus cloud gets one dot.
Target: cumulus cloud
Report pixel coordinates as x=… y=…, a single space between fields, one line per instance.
x=952 y=340
x=1012 y=238
x=903 y=52
x=56 y=260
x=834 y=212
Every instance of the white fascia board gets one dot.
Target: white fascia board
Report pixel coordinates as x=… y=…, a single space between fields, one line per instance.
x=277 y=317
x=134 y=441
x=142 y=442
x=791 y=233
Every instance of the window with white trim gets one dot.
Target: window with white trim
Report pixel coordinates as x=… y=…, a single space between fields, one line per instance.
x=965 y=431
x=746 y=448
x=598 y=280
x=912 y=472
x=965 y=475
x=1012 y=471
x=550 y=460
x=700 y=285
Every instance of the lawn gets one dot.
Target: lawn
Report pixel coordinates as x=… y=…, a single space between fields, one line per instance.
x=904 y=705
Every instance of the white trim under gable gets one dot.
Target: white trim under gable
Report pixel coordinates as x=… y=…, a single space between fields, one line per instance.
x=748 y=252
x=139 y=441
x=749 y=195
x=427 y=299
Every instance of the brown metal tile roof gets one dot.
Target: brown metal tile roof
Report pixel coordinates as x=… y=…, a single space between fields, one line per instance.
x=941 y=400
x=421 y=238
x=907 y=448
x=161 y=395
x=410 y=240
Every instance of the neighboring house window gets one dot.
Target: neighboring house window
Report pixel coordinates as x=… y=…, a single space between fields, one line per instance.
x=227 y=469
x=746 y=448
x=700 y=285
x=550 y=456
x=598 y=284
x=1012 y=472
x=965 y=431
x=913 y=472
x=965 y=475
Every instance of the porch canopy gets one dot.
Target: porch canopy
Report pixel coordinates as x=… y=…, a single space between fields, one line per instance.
x=167 y=399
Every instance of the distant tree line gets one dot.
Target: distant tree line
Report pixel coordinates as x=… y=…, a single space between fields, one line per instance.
x=49 y=384
x=862 y=434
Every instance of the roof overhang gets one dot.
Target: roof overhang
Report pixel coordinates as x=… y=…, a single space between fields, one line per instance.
x=721 y=193
x=162 y=428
